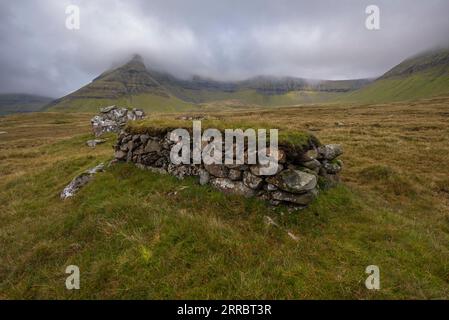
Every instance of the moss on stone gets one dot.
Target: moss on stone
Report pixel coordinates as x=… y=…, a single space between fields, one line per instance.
x=297 y=141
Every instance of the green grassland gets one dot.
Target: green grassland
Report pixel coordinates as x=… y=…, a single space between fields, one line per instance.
x=138 y=234
x=147 y=102
x=413 y=87
x=209 y=100
x=254 y=97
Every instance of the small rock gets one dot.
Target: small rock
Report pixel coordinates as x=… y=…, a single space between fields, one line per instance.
x=294 y=181
x=331 y=167
x=270 y=187
x=235 y=174
x=217 y=170
x=329 y=151
x=252 y=181
x=152 y=146
x=312 y=164
x=120 y=155
x=235 y=187
x=79 y=181
x=94 y=143
x=144 y=138
x=301 y=199
x=260 y=170
x=108 y=109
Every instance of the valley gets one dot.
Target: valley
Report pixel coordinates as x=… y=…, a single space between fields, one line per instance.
x=191 y=241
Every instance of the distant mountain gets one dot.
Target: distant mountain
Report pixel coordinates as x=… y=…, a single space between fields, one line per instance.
x=16 y=103
x=422 y=76
x=134 y=85
x=128 y=85
x=262 y=90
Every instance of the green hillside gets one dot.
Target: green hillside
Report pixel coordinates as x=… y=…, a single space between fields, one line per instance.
x=128 y=85
x=422 y=76
x=134 y=85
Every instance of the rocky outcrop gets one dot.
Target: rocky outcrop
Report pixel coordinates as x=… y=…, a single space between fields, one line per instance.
x=113 y=119
x=80 y=181
x=300 y=177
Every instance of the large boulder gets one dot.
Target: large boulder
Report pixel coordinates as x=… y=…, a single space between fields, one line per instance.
x=294 y=181
x=113 y=119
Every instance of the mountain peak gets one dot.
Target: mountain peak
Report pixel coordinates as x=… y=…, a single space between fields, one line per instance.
x=137 y=58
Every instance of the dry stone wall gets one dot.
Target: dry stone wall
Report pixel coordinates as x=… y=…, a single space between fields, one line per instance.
x=299 y=179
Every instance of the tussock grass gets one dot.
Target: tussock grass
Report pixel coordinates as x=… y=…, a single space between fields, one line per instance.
x=136 y=234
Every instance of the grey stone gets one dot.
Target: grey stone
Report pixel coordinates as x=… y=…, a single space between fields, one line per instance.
x=257 y=170
x=331 y=167
x=152 y=146
x=144 y=138
x=107 y=109
x=80 y=181
x=217 y=170
x=94 y=143
x=301 y=199
x=120 y=155
x=329 y=151
x=312 y=164
x=234 y=187
x=252 y=181
x=235 y=174
x=294 y=181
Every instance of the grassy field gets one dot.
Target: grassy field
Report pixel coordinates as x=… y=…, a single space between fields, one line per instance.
x=147 y=102
x=136 y=234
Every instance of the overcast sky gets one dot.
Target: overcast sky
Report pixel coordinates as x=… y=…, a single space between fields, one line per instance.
x=226 y=40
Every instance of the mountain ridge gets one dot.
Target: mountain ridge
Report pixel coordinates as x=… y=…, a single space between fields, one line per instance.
x=424 y=75
x=133 y=84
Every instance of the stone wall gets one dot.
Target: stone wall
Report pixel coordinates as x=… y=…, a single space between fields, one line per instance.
x=300 y=177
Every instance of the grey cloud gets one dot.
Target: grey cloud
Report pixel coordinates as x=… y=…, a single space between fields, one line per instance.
x=218 y=39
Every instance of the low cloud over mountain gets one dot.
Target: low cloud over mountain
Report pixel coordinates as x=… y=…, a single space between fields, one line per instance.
x=226 y=40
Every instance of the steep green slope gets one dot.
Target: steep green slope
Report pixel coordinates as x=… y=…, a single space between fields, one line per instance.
x=128 y=85
x=18 y=103
x=422 y=76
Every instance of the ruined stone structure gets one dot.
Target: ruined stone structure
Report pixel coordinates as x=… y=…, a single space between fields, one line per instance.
x=302 y=173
